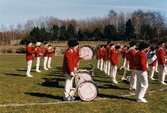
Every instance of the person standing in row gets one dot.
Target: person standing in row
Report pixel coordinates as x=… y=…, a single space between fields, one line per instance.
x=114 y=59
x=69 y=68
x=140 y=61
x=130 y=57
x=161 y=62
x=38 y=56
x=45 y=55
x=50 y=55
x=29 y=57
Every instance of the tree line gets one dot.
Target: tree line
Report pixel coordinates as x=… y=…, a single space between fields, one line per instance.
x=138 y=25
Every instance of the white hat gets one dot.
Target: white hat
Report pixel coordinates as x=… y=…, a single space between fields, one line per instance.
x=38 y=43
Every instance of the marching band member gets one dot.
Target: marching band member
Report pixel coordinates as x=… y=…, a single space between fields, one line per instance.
x=29 y=57
x=38 y=56
x=152 y=65
x=140 y=60
x=114 y=59
x=130 y=57
x=50 y=55
x=112 y=47
x=156 y=66
x=161 y=63
x=45 y=55
x=69 y=68
x=101 y=56
x=105 y=59
x=108 y=56
x=124 y=49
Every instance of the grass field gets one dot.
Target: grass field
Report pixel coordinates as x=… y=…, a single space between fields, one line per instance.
x=19 y=94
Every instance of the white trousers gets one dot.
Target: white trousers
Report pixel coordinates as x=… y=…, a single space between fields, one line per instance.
x=68 y=85
x=29 y=65
x=132 y=83
x=108 y=67
x=161 y=73
x=113 y=72
x=142 y=84
x=105 y=66
x=45 y=62
x=49 y=61
x=124 y=62
x=101 y=64
x=98 y=63
x=151 y=71
x=37 y=63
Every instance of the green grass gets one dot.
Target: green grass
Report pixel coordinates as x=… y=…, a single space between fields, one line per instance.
x=16 y=88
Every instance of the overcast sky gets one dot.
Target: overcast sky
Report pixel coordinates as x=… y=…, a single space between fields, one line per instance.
x=13 y=12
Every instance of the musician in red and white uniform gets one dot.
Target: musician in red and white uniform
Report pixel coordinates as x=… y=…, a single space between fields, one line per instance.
x=112 y=48
x=101 y=56
x=50 y=55
x=140 y=60
x=38 y=54
x=45 y=55
x=114 y=59
x=161 y=62
x=69 y=68
x=105 y=59
x=108 y=56
x=124 y=50
x=152 y=65
x=130 y=57
x=29 y=57
x=98 y=57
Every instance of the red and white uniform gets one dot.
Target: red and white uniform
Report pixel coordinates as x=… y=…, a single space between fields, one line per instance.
x=161 y=64
x=130 y=57
x=114 y=64
x=140 y=60
x=29 y=57
x=45 y=56
x=38 y=56
x=50 y=55
x=68 y=67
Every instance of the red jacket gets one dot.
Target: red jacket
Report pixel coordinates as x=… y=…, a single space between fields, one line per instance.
x=68 y=62
x=161 y=56
x=50 y=53
x=45 y=52
x=76 y=58
x=101 y=53
x=29 y=52
x=124 y=53
x=108 y=52
x=140 y=61
x=38 y=52
x=114 y=57
x=130 y=57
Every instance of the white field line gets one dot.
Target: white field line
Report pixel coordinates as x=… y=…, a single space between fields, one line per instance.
x=63 y=102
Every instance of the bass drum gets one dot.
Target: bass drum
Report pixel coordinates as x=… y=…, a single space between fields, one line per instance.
x=83 y=76
x=86 y=52
x=87 y=91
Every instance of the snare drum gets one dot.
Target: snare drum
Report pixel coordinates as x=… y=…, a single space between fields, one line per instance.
x=86 y=52
x=151 y=58
x=87 y=90
x=82 y=77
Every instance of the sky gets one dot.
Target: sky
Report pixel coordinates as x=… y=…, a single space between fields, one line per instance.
x=14 y=12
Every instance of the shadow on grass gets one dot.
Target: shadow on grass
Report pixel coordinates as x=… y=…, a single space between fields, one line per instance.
x=110 y=86
x=11 y=74
x=43 y=95
x=114 y=96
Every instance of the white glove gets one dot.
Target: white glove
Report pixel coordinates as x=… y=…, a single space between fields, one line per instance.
x=72 y=74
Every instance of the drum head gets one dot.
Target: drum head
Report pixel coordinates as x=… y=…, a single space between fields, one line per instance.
x=87 y=91
x=86 y=52
x=83 y=76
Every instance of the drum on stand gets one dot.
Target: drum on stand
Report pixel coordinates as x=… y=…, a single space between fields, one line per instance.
x=87 y=90
x=86 y=52
x=82 y=77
